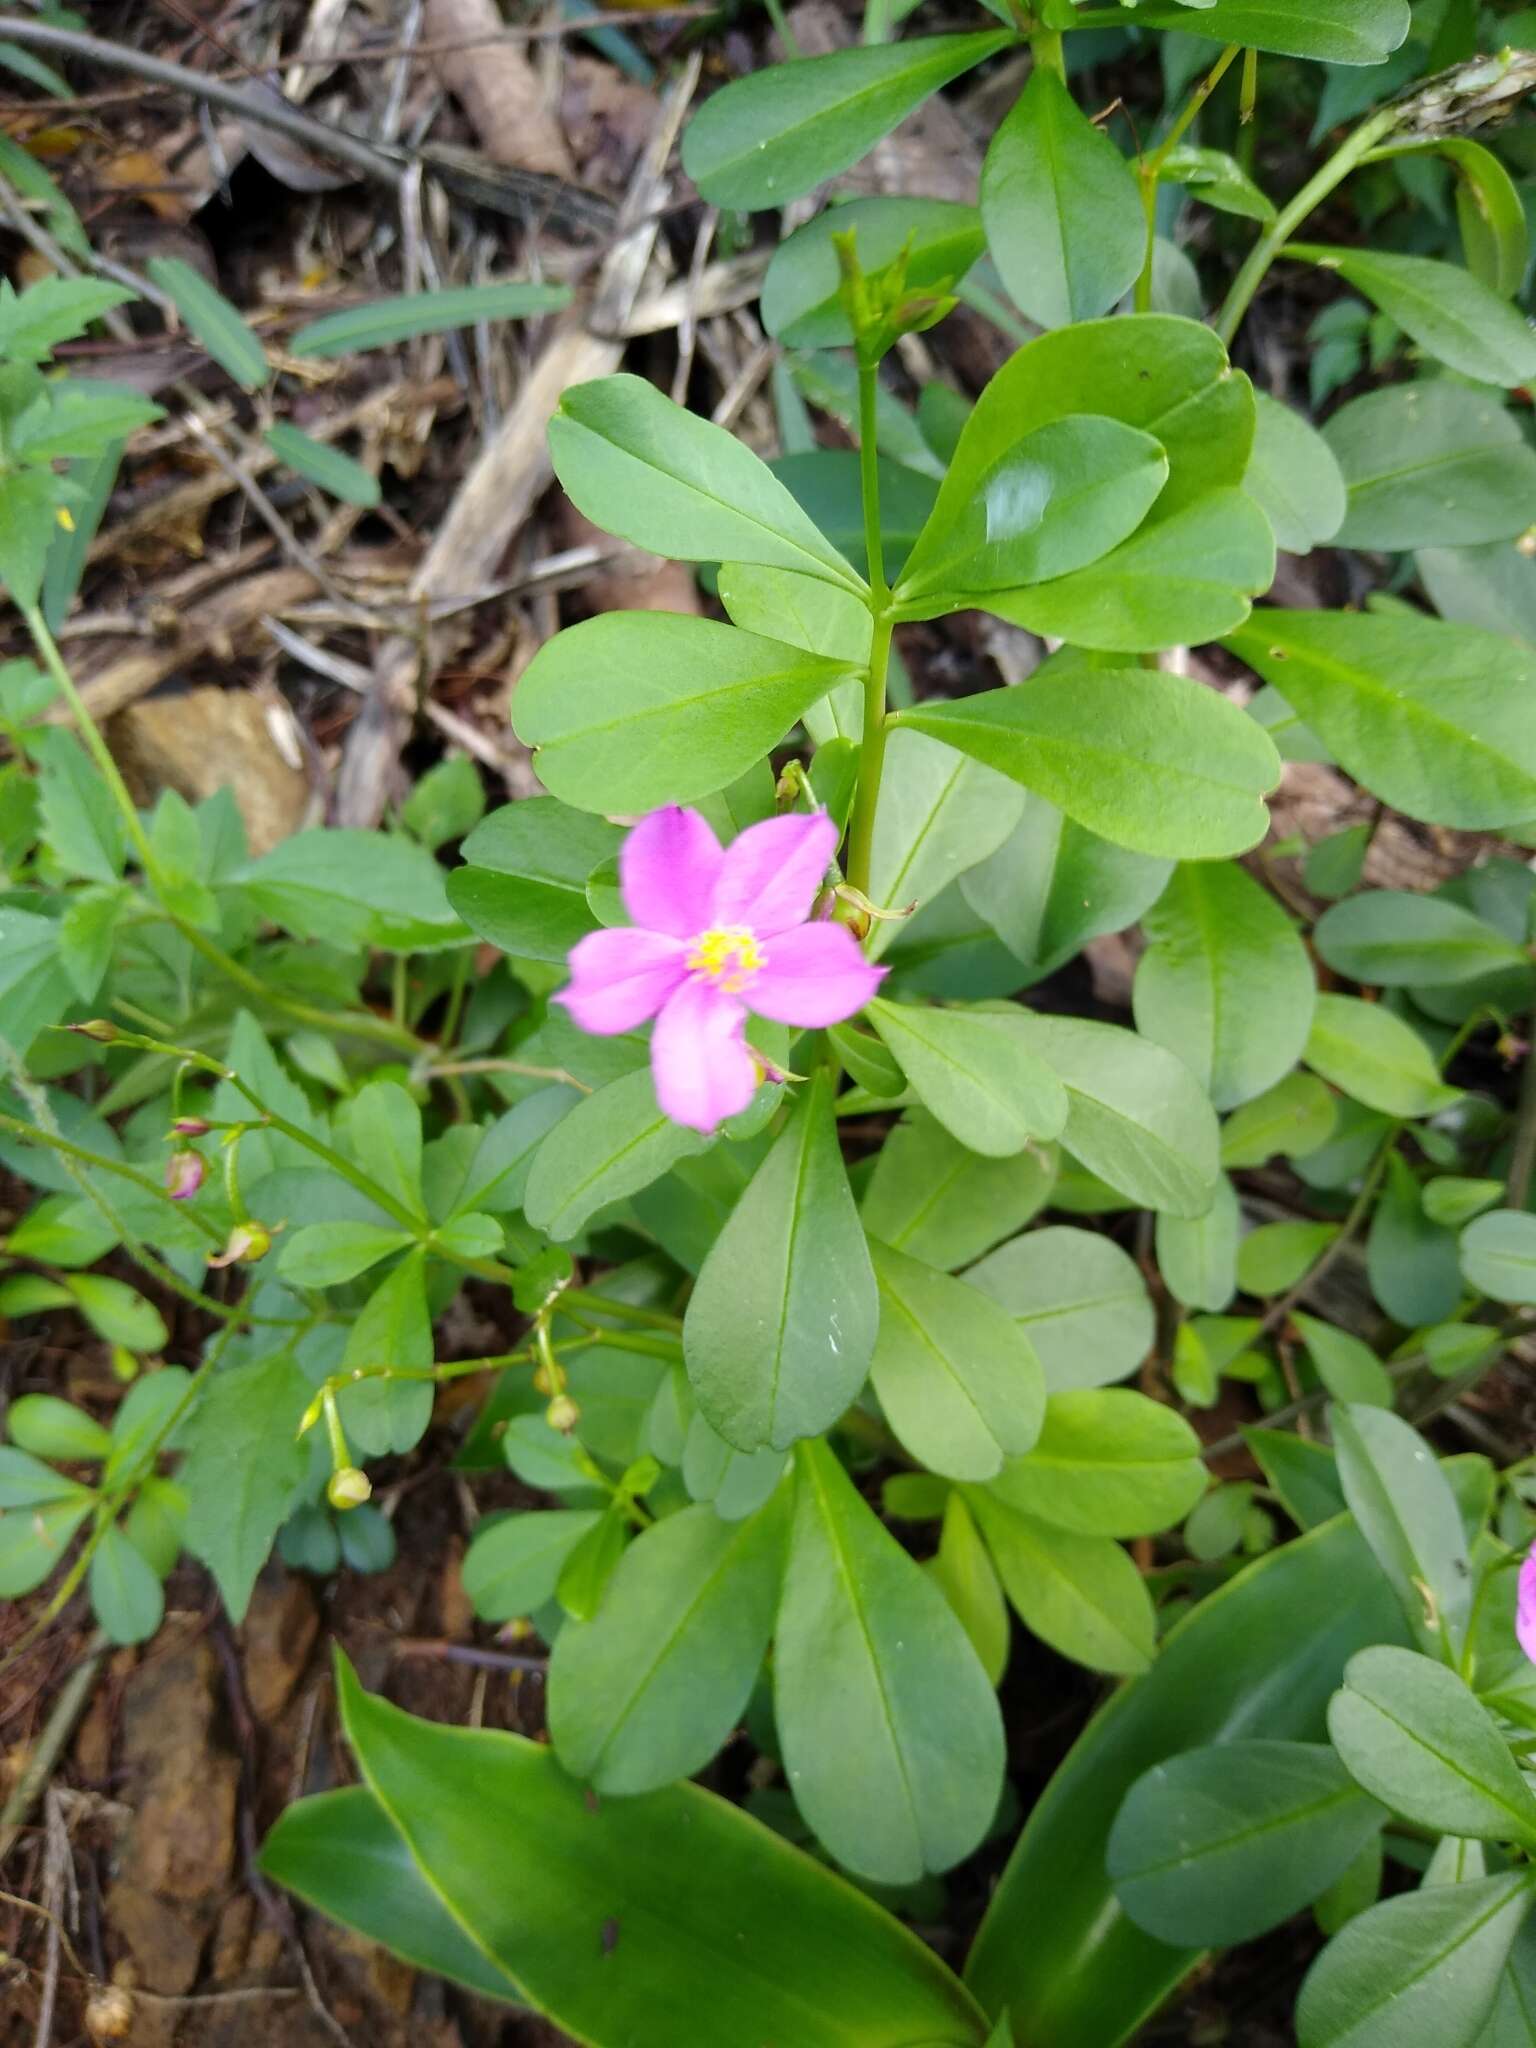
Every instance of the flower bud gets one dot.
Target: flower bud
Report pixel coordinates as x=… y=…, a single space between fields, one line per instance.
x=348 y=1488
x=191 y=1127
x=184 y=1172
x=562 y=1414
x=98 y=1028
x=248 y=1242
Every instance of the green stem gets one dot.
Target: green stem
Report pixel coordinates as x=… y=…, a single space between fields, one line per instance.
x=1350 y=153
x=1522 y=1160
x=861 y=831
x=1150 y=169
x=1353 y=1223
x=95 y=745
x=1046 y=46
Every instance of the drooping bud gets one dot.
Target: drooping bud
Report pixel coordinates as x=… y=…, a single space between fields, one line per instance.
x=99 y=1028
x=191 y=1127
x=348 y=1488
x=184 y=1172
x=248 y=1242
x=562 y=1414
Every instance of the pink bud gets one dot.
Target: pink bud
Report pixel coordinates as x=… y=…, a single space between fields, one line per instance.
x=191 y=1127
x=184 y=1175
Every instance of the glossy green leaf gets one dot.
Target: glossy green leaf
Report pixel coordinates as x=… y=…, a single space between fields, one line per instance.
x=1062 y=210
x=933 y=1199
x=51 y=1428
x=977 y=1072
x=383 y=321
x=781 y=1325
x=34 y=1538
x=212 y=319
x=512 y=1566
x=1498 y=1255
x=1150 y=761
x=340 y=1853
x=1432 y=718
x=1295 y=1117
x=1330 y=31
x=1109 y=1462
x=1294 y=477
x=350 y=888
x=1056 y=1949
x=524 y=882
x=781 y=1943
x=1410 y=1261
x=771 y=136
x=329 y=1254
x=612 y=1144
x=1424 y=1967
x=1375 y=1057
x=650 y=1688
x=1080 y=1594
x=963 y=1571
x=1081 y=1302
x=958 y=1379
x=1440 y=306
x=118 y=1312
x=1451 y=1201
x=801 y=306
x=891 y=1734
x=1416 y=1736
x=1277 y=1255
x=1431 y=464
x=1219 y=1845
x=1225 y=981
x=1407 y=1513
x=1491 y=215
x=635 y=709
x=939 y=815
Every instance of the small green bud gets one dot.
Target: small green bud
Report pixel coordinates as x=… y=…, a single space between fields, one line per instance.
x=348 y=1488
x=562 y=1414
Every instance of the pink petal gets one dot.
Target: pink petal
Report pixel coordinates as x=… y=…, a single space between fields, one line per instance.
x=1525 y=1615
x=668 y=868
x=815 y=975
x=771 y=874
x=620 y=978
x=699 y=1060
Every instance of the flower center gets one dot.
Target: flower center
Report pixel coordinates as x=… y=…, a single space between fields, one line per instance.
x=727 y=955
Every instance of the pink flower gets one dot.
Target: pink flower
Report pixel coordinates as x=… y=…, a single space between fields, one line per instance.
x=184 y=1175
x=1525 y=1611
x=716 y=935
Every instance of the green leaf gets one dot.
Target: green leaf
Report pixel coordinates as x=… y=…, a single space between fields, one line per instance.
x=1080 y=1594
x=1080 y=1300
x=383 y=321
x=26 y=532
x=1117 y=751
x=1217 y=180
x=1498 y=1256
x=766 y=139
x=243 y=1463
x=126 y=1596
x=1225 y=981
x=78 y=417
x=1416 y=1736
x=1411 y=1263
x=1258 y=1658
x=780 y=1328
x=1062 y=210
x=1424 y=1967
x=957 y=1377
x=1432 y=718
x=1197 y=1256
x=1407 y=1513
x=329 y=1254
x=118 y=1312
x=1135 y=1115
x=213 y=320
x=1440 y=306
x=1348 y=1368
x=931 y=1198
x=349 y=888
x=975 y=1071
x=1331 y=31
x=512 y=1566
x=964 y=1573
x=81 y=824
x=1375 y=1057
x=610 y=1145
x=340 y=1853
x=939 y=815
x=382 y=1124
x=642 y=467
x=1220 y=1845
x=1397 y=939
x=1276 y=1255
x=891 y=1735
x=1052 y=885
x=55 y=309
x=446 y=804
x=324 y=465
x=34 y=1539
x=1451 y=1201
x=524 y=885
x=51 y=1428
x=1491 y=215
x=1108 y=1462
x=801 y=305
x=1294 y=477
x=691 y=1891
x=648 y=1690
x=631 y=710
x=27 y=1483
x=1431 y=464
x=394 y=1328
x=1183 y=578
x=1295 y=1117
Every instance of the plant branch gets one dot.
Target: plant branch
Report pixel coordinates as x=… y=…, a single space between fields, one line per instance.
x=861 y=831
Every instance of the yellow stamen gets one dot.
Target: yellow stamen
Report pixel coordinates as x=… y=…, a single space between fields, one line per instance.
x=728 y=955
